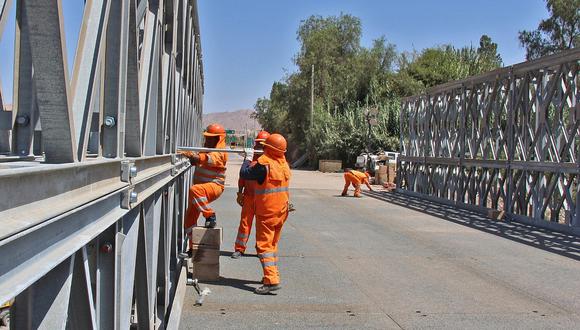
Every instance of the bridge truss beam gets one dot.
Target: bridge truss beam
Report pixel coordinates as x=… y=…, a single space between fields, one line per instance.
x=93 y=195
x=507 y=140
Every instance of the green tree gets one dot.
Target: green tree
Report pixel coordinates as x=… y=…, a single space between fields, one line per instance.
x=349 y=79
x=330 y=44
x=487 y=55
x=272 y=113
x=438 y=65
x=559 y=32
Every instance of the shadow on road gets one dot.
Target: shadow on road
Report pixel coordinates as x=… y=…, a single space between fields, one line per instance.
x=229 y=254
x=563 y=244
x=236 y=283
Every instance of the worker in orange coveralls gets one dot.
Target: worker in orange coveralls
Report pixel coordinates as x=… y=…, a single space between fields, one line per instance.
x=356 y=178
x=245 y=199
x=272 y=175
x=208 y=179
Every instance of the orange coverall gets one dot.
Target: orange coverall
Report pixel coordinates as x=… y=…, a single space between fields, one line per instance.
x=247 y=216
x=208 y=184
x=271 y=198
x=356 y=178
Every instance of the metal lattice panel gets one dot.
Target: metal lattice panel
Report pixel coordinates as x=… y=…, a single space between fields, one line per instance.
x=93 y=196
x=506 y=140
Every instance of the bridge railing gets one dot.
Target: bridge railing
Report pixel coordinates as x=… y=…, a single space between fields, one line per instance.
x=507 y=140
x=92 y=195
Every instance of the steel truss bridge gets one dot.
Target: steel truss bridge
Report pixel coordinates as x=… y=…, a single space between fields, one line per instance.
x=507 y=140
x=93 y=195
x=92 y=205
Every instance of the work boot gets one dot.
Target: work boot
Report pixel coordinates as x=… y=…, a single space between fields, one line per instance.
x=267 y=288
x=236 y=255
x=210 y=221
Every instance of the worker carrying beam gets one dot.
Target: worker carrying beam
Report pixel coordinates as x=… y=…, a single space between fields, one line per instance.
x=355 y=178
x=245 y=199
x=208 y=179
x=272 y=175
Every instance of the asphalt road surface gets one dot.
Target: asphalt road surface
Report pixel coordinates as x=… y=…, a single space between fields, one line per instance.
x=392 y=262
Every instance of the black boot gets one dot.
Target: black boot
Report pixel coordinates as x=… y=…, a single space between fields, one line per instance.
x=237 y=255
x=210 y=221
x=267 y=288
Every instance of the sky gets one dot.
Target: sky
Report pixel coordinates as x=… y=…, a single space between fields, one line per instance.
x=249 y=44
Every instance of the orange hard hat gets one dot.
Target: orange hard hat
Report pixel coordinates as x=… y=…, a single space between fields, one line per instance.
x=262 y=136
x=276 y=142
x=215 y=130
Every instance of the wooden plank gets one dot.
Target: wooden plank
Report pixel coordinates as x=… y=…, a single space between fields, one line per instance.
x=207 y=236
x=205 y=255
x=206 y=272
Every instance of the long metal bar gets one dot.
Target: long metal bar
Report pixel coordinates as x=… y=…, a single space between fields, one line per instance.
x=230 y=151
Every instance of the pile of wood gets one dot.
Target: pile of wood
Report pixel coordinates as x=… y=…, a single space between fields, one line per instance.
x=205 y=253
x=387 y=174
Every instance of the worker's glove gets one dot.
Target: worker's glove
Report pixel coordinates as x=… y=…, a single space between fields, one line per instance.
x=191 y=155
x=240 y=199
x=249 y=154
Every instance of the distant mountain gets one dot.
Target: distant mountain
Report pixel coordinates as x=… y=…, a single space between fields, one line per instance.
x=237 y=120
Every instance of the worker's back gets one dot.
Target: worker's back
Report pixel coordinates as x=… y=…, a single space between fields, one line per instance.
x=361 y=176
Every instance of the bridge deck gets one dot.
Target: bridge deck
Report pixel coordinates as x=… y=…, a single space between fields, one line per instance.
x=382 y=263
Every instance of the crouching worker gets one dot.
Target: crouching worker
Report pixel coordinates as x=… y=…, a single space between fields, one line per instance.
x=355 y=178
x=272 y=175
x=245 y=199
x=208 y=179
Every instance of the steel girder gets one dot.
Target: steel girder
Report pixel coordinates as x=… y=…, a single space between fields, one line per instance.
x=92 y=212
x=506 y=140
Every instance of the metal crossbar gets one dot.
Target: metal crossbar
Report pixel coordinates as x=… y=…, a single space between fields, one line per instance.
x=93 y=198
x=507 y=140
x=231 y=151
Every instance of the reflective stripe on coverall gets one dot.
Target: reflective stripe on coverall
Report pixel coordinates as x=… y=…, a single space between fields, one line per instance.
x=271 y=202
x=247 y=215
x=208 y=184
